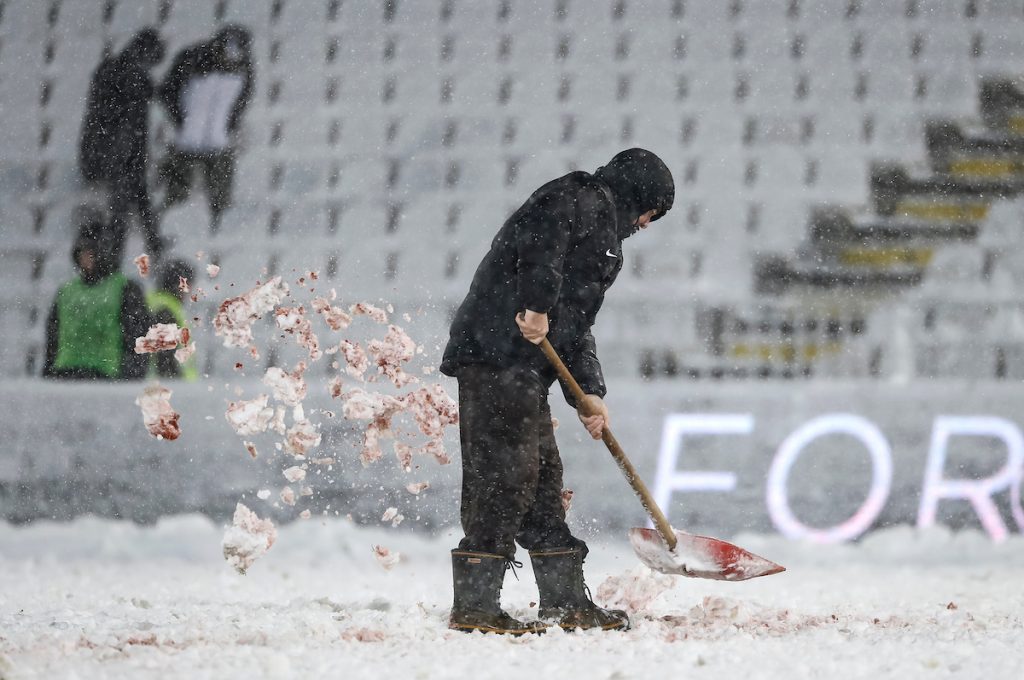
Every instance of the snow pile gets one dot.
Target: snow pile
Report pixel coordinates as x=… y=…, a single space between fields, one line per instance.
x=152 y=602
x=634 y=590
x=247 y=539
x=157 y=414
x=160 y=337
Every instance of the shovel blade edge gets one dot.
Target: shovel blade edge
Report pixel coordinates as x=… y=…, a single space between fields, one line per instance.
x=699 y=557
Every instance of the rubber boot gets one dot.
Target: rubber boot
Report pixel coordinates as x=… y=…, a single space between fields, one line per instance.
x=565 y=598
x=478 y=578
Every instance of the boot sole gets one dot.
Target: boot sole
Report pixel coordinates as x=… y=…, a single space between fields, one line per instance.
x=607 y=626
x=469 y=628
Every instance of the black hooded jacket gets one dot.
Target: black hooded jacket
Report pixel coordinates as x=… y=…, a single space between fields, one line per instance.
x=558 y=253
x=115 y=131
x=206 y=58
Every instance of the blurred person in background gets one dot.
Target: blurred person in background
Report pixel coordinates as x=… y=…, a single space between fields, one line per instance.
x=205 y=93
x=546 y=275
x=114 y=148
x=95 y=318
x=166 y=305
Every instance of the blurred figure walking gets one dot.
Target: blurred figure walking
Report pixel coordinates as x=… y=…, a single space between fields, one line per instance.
x=205 y=93
x=114 y=150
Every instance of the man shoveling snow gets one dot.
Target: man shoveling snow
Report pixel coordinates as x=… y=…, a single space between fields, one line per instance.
x=545 y=275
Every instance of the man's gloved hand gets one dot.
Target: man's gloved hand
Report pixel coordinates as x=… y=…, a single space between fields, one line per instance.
x=533 y=325
x=594 y=415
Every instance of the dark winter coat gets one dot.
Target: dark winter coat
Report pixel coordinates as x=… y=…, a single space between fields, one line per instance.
x=115 y=130
x=558 y=253
x=203 y=59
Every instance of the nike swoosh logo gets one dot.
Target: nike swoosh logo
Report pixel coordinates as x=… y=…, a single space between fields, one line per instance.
x=609 y=253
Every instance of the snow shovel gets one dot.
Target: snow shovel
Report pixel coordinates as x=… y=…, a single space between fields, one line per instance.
x=665 y=549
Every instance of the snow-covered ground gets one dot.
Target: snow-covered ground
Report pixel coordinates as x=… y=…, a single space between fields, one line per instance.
x=104 y=599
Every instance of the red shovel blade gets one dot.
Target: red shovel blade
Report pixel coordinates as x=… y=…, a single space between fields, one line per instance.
x=699 y=557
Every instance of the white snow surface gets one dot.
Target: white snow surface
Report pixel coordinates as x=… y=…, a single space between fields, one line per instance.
x=99 y=598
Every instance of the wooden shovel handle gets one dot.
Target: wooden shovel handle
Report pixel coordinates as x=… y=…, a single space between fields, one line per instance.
x=613 y=447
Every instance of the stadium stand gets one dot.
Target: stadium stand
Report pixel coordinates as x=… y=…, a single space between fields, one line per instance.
x=836 y=163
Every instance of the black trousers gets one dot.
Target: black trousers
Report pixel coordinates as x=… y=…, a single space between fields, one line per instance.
x=511 y=469
x=128 y=194
x=218 y=176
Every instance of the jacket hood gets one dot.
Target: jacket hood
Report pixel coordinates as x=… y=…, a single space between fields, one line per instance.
x=232 y=44
x=146 y=48
x=639 y=181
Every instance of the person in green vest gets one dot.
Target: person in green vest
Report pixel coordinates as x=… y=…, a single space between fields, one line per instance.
x=166 y=306
x=95 y=318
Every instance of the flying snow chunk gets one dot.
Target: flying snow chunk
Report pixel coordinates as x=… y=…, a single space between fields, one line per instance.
x=288 y=388
x=160 y=419
x=294 y=474
x=356 y=362
x=567 y=499
x=390 y=353
x=335 y=317
x=301 y=437
x=417 y=487
x=185 y=353
x=375 y=313
x=385 y=557
x=289 y=319
x=288 y=496
x=236 y=315
x=160 y=337
x=293 y=320
x=142 y=263
x=334 y=387
x=247 y=539
x=250 y=417
x=212 y=270
x=392 y=515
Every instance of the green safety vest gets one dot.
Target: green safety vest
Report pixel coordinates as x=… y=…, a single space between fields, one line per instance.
x=160 y=300
x=89 y=325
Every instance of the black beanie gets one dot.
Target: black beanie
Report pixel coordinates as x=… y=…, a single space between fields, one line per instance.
x=88 y=239
x=640 y=181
